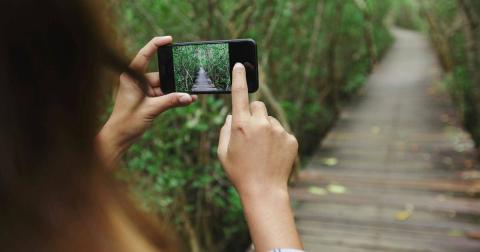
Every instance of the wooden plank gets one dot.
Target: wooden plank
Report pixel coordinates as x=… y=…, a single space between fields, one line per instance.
x=380 y=241
x=383 y=219
x=445 y=185
x=442 y=203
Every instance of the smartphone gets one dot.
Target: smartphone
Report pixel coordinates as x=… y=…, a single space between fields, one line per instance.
x=205 y=67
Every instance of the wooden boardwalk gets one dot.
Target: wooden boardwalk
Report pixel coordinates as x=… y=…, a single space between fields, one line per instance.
x=203 y=83
x=392 y=174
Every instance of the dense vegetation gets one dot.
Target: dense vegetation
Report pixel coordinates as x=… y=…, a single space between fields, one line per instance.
x=216 y=63
x=186 y=67
x=213 y=58
x=454 y=28
x=313 y=56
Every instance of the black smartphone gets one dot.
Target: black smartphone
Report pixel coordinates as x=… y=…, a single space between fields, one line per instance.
x=205 y=67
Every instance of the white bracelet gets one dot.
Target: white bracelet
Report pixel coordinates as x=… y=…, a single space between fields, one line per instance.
x=286 y=250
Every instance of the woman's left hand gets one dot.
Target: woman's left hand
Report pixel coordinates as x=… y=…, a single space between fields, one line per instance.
x=134 y=111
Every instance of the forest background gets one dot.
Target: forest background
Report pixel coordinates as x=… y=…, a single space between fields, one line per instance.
x=314 y=55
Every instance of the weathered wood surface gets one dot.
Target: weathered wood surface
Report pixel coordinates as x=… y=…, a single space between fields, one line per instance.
x=400 y=159
x=203 y=83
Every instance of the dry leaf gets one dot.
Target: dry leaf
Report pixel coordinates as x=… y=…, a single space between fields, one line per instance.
x=317 y=190
x=468 y=163
x=375 y=130
x=474 y=235
x=456 y=233
x=337 y=189
x=405 y=214
x=330 y=161
x=470 y=175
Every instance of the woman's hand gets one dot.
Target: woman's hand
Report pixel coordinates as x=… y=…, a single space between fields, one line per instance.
x=258 y=155
x=256 y=151
x=133 y=111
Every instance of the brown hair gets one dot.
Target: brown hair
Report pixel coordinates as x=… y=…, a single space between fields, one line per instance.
x=54 y=56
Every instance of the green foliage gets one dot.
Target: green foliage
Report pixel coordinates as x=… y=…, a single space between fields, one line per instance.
x=456 y=38
x=406 y=14
x=186 y=66
x=217 y=65
x=176 y=175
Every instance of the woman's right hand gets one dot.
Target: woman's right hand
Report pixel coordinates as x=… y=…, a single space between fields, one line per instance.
x=257 y=155
x=254 y=148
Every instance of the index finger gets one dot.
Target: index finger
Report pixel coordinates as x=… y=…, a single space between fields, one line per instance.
x=240 y=106
x=141 y=60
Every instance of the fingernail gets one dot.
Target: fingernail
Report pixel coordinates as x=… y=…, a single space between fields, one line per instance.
x=163 y=38
x=238 y=67
x=185 y=99
x=229 y=118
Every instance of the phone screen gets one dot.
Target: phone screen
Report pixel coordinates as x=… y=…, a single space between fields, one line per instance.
x=201 y=68
x=205 y=67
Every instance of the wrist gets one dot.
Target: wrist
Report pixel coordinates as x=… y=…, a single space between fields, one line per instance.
x=254 y=195
x=270 y=218
x=111 y=144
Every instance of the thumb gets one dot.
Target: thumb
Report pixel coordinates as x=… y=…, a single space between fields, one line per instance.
x=224 y=138
x=159 y=104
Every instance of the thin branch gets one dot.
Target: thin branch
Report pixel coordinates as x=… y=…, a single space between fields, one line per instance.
x=148 y=17
x=247 y=23
x=273 y=26
x=312 y=51
x=239 y=8
x=454 y=27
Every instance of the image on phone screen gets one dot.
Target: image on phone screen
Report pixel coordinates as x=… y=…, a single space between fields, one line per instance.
x=205 y=67
x=201 y=67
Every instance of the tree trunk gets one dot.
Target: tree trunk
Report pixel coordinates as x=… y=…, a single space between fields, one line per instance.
x=471 y=31
x=368 y=31
x=332 y=78
x=440 y=42
x=312 y=52
x=193 y=240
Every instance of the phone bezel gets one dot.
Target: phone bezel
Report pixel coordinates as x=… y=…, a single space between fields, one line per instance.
x=165 y=64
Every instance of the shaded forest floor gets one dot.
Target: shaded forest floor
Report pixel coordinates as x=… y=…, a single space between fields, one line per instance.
x=396 y=173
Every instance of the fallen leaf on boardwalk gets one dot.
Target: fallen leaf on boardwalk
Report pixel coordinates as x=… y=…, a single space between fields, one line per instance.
x=337 y=189
x=375 y=130
x=317 y=190
x=468 y=163
x=469 y=175
x=474 y=189
x=405 y=214
x=474 y=235
x=456 y=233
x=330 y=161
